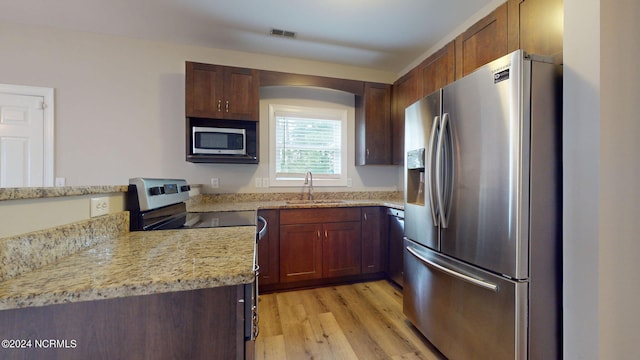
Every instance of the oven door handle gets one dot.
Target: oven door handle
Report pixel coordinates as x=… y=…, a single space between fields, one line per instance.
x=171 y=222
x=264 y=228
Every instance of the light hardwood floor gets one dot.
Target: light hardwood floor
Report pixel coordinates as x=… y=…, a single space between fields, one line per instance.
x=357 y=321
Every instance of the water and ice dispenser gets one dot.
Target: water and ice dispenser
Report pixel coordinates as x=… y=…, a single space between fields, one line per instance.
x=415 y=177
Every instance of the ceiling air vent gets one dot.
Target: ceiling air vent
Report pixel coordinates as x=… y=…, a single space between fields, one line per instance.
x=283 y=33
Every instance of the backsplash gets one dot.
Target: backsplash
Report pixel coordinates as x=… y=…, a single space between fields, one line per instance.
x=30 y=251
x=257 y=197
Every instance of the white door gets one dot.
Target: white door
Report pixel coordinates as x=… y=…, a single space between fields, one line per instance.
x=25 y=139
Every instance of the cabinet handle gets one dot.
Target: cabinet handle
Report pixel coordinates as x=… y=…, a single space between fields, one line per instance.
x=365 y=216
x=319 y=236
x=326 y=234
x=367 y=153
x=219 y=105
x=226 y=106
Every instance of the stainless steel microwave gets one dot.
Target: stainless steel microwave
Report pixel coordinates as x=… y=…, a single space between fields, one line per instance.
x=216 y=140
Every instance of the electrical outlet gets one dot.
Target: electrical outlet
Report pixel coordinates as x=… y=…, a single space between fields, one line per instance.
x=265 y=182
x=349 y=182
x=215 y=183
x=258 y=182
x=60 y=181
x=99 y=206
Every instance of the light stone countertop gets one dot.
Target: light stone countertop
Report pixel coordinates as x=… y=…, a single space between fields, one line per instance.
x=204 y=205
x=49 y=192
x=139 y=263
x=151 y=262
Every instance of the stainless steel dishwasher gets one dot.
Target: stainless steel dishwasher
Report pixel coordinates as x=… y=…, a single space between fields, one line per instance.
x=396 y=250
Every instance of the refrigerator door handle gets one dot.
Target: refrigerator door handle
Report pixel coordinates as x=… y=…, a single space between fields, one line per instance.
x=439 y=160
x=432 y=142
x=472 y=280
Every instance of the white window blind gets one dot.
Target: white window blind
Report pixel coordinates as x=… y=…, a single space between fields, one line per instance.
x=307 y=144
x=307 y=139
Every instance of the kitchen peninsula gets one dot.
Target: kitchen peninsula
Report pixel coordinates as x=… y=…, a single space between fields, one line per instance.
x=144 y=294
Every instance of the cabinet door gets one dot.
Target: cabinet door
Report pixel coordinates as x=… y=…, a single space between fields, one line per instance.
x=406 y=91
x=439 y=69
x=396 y=249
x=203 y=90
x=221 y=92
x=241 y=89
x=536 y=27
x=373 y=125
x=341 y=249
x=269 y=249
x=374 y=240
x=300 y=252
x=485 y=41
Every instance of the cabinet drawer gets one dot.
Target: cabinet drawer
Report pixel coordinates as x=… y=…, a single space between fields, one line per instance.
x=326 y=215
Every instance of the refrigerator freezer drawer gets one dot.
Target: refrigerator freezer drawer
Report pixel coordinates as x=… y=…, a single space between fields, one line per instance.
x=467 y=313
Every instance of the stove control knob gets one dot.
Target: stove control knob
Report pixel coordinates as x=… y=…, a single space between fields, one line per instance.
x=156 y=190
x=185 y=188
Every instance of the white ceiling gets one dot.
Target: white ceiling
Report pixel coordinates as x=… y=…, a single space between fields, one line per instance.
x=380 y=34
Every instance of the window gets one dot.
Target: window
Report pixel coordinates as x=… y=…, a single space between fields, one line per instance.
x=307 y=139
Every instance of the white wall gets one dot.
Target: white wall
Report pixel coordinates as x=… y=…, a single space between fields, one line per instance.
x=601 y=167
x=117 y=96
x=581 y=168
x=619 y=232
x=26 y=215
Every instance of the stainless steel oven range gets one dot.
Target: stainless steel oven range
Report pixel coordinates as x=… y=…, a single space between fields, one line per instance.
x=159 y=204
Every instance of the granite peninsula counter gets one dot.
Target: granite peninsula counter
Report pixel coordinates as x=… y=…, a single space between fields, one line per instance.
x=138 y=263
x=103 y=262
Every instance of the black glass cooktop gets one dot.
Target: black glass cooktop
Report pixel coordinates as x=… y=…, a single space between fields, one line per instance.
x=220 y=219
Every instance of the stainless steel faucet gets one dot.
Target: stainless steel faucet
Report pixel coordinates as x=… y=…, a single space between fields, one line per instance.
x=308 y=180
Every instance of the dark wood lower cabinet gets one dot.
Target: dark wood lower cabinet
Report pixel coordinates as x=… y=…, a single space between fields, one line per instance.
x=374 y=239
x=324 y=246
x=300 y=252
x=316 y=251
x=341 y=249
x=198 y=324
x=269 y=249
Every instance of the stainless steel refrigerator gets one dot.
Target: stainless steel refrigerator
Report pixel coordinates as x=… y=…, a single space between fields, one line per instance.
x=482 y=271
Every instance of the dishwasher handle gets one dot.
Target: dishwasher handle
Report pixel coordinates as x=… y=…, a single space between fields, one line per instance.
x=395 y=212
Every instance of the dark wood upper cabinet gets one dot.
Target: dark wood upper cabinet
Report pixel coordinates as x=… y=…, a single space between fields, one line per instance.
x=483 y=42
x=438 y=69
x=532 y=25
x=373 y=125
x=536 y=26
x=221 y=92
x=406 y=91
